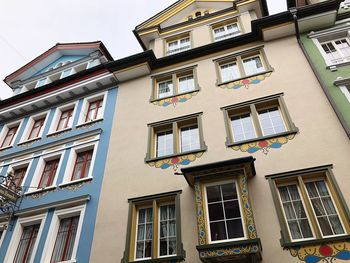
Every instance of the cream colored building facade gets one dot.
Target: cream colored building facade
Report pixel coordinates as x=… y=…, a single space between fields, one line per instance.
x=233 y=84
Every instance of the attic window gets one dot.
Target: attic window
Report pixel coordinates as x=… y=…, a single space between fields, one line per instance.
x=206 y=12
x=198 y=14
x=190 y=18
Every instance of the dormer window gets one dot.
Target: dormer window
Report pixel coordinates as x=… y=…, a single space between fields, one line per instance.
x=190 y=18
x=179 y=44
x=224 y=31
x=206 y=12
x=198 y=14
x=66 y=73
x=93 y=63
x=41 y=82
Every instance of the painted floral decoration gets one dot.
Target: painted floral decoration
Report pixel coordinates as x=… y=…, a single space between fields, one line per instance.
x=246 y=82
x=176 y=161
x=326 y=253
x=174 y=100
x=264 y=145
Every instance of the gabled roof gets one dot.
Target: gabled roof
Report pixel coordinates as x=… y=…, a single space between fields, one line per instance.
x=182 y=4
x=60 y=49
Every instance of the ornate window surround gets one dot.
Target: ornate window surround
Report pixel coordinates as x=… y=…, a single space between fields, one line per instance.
x=153 y=201
x=298 y=176
x=197 y=177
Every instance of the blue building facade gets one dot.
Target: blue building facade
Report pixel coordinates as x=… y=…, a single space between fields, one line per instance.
x=54 y=137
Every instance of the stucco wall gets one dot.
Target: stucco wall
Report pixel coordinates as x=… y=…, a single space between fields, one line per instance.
x=321 y=140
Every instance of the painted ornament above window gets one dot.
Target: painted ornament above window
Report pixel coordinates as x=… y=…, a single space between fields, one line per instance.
x=246 y=82
x=175 y=100
x=326 y=253
x=264 y=145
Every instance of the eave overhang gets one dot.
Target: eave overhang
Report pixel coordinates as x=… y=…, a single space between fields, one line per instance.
x=223 y=168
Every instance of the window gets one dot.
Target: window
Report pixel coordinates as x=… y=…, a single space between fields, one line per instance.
x=175 y=83
x=36 y=128
x=63 y=122
x=18 y=176
x=9 y=137
x=175 y=137
x=336 y=51
x=93 y=63
x=224 y=215
x=82 y=165
x=66 y=73
x=242 y=65
x=154 y=230
x=26 y=243
x=48 y=173
x=94 y=111
x=178 y=44
x=256 y=119
x=65 y=239
x=41 y=82
x=311 y=207
x=222 y=32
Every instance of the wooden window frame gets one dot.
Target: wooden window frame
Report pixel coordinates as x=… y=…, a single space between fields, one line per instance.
x=98 y=108
x=176 y=124
x=12 y=137
x=174 y=76
x=154 y=201
x=23 y=171
x=35 y=230
x=252 y=107
x=66 y=121
x=42 y=122
x=86 y=154
x=299 y=178
x=52 y=174
x=238 y=58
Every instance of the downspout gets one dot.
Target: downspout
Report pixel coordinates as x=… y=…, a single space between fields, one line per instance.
x=323 y=85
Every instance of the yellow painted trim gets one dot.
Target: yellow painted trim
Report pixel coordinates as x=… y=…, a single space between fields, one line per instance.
x=148 y=32
x=244 y=3
x=155 y=238
x=133 y=234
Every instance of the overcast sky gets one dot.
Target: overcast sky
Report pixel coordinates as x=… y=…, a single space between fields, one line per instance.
x=28 y=28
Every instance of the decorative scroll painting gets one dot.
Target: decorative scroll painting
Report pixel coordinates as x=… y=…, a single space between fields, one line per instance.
x=237 y=250
x=200 y=214
x=174 y=162
x=175 y=100
x=326 y=253
x=246 y=82
x=265 y=145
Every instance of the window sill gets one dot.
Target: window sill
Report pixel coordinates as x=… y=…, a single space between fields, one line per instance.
x=75 y=182
x=163 y=259
x=88 y=123
x=6 y=148
x=29 y=141
x=58 y=132
x=175 y=95
x=40 y=190
x=68 y=261
x=314 y=241
x=147 y=160
x=231 y=144
x=335 y=65
x=245 y=77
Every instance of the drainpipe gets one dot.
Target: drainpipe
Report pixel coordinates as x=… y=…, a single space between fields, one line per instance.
x=323 y=85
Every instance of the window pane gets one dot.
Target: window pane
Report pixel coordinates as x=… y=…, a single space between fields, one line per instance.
x=48 y=174
x=165 y=89
x=223 y=207
x=243 y=128
x=294 y=211
x=324 y=208
x=26 y=243
x=186 y=84
x=144 y=233
x=82 y=165
x=36 y=128
x=253 y=66
x=189 y=139
x=167 y=230
x=164 y=144
x=9 y=137
x=65 y=239
x=66 y=73
x=229 y=72
x=271 y=121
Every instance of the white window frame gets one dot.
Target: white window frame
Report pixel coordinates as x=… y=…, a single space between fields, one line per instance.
x=282 y=117
x=334 y=203
x=178 y=48
x=39 y=171
x=158 y=223
x=319 y=43
x=345 y=91
x=226 y=35
x=253 y=124
x=250 y=57
x=19 y=165
x=57 y=116
x=306 y=212
x=47 y=81
x=92 y=63
x=186 y=76
x=54 y=226
x=71 y=162
x=17 y=233
x=180 y=137
x=172 y=90
x=240 y=209
x=6 y=128
x=85 y=107
x=30 y=124
x=156 y=142
x=72 y=71
x=136 y=228
x=228 y=64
